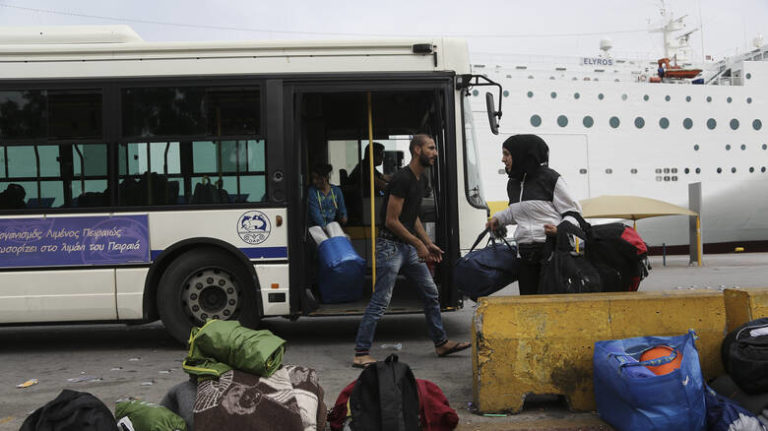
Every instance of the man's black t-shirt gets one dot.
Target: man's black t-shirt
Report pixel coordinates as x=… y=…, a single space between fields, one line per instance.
x=404 y=184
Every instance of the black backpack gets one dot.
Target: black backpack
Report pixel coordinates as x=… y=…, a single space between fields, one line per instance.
x=745 y=357
x=564 y=270
x=71 y=411
x=385 y=398
x=617 y=252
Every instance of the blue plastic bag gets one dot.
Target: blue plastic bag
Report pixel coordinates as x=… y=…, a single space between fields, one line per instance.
x=638 y=401
x=341 y=272
x=724 y=414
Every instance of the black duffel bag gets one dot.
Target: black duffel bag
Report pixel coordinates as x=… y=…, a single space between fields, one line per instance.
x=745 y=356
x=564 y=270
x=487 y=270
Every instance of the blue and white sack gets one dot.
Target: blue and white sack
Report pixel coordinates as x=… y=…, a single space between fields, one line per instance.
x=633 y=399
x=341 y=271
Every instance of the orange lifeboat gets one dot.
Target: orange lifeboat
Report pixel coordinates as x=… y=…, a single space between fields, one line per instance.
x=676 y=72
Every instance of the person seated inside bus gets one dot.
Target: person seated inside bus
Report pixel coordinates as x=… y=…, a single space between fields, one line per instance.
x=13 y=197
x=362 y=169
x=325 y=204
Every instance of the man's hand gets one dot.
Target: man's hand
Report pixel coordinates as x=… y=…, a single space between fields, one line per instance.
x=550 y=229
x=492 y=224
x=423 y=252
x=435 y=254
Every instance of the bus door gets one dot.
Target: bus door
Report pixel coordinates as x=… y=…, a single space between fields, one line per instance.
x=335 y=124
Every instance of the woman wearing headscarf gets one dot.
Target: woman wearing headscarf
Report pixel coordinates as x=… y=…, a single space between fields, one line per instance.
x=538 y=197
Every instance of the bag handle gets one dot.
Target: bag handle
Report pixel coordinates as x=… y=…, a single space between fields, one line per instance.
x=493 y=240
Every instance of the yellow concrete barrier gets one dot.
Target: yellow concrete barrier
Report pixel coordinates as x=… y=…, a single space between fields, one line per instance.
x=543 y=344
x=744 y=305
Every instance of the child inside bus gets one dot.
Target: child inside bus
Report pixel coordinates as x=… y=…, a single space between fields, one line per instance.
x=325 y=203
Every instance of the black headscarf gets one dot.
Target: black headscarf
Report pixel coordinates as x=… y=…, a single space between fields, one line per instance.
x=529 y=153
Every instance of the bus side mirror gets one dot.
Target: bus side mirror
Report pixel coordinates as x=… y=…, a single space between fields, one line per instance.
x=493 y=115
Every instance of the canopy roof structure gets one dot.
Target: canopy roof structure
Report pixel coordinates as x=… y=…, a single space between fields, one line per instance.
x=629 y=207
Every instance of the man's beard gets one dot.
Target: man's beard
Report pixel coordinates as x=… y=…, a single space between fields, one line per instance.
x=425 y=161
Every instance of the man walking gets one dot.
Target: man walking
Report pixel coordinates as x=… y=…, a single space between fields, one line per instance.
x=403 y=244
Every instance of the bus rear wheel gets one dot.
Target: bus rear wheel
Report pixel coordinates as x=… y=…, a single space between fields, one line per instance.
x=205 y=284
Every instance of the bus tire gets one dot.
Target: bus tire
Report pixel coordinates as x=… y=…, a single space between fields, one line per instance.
x=205 y=284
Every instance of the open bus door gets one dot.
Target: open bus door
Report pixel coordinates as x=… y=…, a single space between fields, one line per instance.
x=331 y=124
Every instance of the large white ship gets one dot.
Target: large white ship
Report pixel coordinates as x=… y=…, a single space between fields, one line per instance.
x=613 y=129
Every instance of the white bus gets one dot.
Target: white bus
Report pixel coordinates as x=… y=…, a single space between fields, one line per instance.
x=147 y=180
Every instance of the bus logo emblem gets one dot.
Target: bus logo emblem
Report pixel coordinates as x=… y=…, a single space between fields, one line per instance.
x=254 y=227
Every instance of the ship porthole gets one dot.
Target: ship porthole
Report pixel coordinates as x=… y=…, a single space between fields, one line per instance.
x=624 y=96
x=743 y=147
x=719 y=170
x=614 y=122
x=664 y=122
x=687 y=98
x=729 y=99
x=757 y=124
x=535 y=120
x=562 y=121
x=687 y=123
x=709 y=99
x=553 y=95
x=749 y=100
x=687 y=171
x=601 y=96
x=646 y=97
x=639 y=122
x=698 y=170
x=749 y=76
x=733 y=170
x=530 y=94
x=667 y=98
x=506 y=93
x=728 y=147
x=711 y=124
x=751 y=169
x=576 y=95
x=588 y=121
x=734 y=124
x=696 y=147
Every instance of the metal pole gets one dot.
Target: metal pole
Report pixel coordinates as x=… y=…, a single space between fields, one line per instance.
x=373 y=196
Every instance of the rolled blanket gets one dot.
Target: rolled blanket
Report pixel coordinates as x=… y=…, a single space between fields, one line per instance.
x=221 y=345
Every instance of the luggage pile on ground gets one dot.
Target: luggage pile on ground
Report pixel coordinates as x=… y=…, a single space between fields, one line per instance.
x=237 y=382
x=655 y=383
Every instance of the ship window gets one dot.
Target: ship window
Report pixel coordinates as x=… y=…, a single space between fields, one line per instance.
x=562 y=121
x=667 y=98
x=535 y=120
x=762 y=169
x=658 y=178
x=674 y=170
x=600 y=96
x=614 y=122
x=734 y=124
x=646 y=97
x=475 y=93
x=551 y=78
x=687 y=98
x=696 y=147
x=589 y=121
x=574 y=79
x=639 y=122
x=749 y=100
x=733 y=170
x=582 y=171
x=633 y=171
x=709 y=99
x=609 y=171
x=666 y=170
x=765 y=146
x=687 y=171
x=711 y=124
x=663 y=122
x=506 y=93
x=666 y=177
x=729 y=99
x=757 y=124
x=698 y=170
x=553 y=95
x=687 y=123
x=743 y=147
x=530 y=94
x=751 y=169
x=530 y=76
x=674 y=177
x=719 y=170
x=749 y=76
x=728 y=147
x=576 y=95
x=624 y=96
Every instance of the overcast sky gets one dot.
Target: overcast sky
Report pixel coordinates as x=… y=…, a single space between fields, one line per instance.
x=492 y=27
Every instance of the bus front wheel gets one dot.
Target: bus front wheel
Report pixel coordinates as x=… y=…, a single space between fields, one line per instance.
x=205 y=284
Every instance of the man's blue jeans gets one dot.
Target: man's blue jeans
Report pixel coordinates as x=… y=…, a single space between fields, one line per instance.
x=391 y=258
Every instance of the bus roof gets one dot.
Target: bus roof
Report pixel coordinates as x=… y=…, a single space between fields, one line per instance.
x=92 y=51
